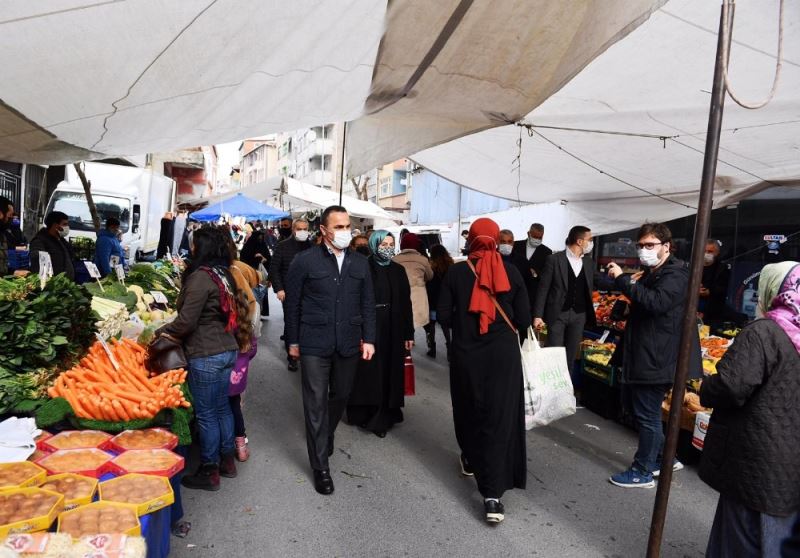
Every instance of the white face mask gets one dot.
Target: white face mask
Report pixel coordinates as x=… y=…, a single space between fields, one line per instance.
x=589 y=247
x=649 y=258
x=505 y=249
x=64 y=232
x=708 y=258
x=534 y=242
x=301 y=236
x=341 y=239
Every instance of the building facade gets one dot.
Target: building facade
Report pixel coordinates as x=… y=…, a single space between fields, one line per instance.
x=309 y=155
x=258 y=160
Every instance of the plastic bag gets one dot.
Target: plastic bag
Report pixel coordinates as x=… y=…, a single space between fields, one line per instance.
x=549 y=394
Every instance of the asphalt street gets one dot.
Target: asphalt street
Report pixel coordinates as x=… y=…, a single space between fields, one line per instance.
x=404 y=495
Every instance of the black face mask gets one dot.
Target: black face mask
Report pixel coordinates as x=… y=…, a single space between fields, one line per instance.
x=285 y=232
x=363 y=250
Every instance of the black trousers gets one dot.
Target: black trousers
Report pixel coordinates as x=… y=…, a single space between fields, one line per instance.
x=327 y=382
x=567 y=331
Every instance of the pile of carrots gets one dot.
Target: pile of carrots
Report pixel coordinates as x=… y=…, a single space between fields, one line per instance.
x=96 y=389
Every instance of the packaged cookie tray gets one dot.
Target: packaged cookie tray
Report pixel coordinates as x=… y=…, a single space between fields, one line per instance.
x=91 y=462
x=100 y=518
x=20 y=474
x=77 y=489
x=75 y=439
x=26 y=510
x=61 y=545
x=160 y=462
x=147 y=492
x=148 y=438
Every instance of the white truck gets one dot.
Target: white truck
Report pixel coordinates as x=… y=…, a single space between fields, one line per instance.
x=137 y=197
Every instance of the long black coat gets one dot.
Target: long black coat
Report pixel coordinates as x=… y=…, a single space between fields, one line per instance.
x=282 y=257
x=653 y=329
x=530 y=269
x=752 y=448
x=381 y=381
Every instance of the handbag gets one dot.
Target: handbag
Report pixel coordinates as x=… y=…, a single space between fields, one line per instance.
x=410 y=387
x=165 y=353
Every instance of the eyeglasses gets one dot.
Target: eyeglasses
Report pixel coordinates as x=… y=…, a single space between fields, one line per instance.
x=647 y=245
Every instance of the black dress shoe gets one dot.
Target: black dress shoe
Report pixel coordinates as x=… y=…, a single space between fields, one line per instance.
x=323 y=482
x=293 y=366
x=494 y=511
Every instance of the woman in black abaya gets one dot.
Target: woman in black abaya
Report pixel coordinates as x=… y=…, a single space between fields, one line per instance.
x=379 y=390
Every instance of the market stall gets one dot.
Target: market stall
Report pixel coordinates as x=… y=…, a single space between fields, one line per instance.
x=98 y=441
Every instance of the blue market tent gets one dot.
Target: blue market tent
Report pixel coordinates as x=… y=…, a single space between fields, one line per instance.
x=239 y=206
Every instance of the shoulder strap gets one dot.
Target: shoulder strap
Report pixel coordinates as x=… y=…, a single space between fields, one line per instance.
x=494 y=300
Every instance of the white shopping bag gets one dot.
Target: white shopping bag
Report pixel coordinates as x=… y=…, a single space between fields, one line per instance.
x=549 y=393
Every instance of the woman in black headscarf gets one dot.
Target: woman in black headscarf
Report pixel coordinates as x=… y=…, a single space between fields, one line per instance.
x=254 y=252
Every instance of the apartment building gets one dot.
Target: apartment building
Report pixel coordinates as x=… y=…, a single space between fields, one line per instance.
x=258 y=160
x=309 y=155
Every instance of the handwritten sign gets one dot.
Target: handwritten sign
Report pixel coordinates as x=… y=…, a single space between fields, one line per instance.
x=107 y=349
x=159 y=297
x=45 y=268
x=120 y=271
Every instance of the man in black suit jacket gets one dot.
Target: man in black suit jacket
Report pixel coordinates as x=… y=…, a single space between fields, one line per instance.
x=330 y=324
x=564 y=299
x=529 y=255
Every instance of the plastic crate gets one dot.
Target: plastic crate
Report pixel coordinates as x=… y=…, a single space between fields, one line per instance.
x=75 y=439
x=77 y=489
x=159 y=462
x=87 y=462
x=151 y=438
x=601 y=398
x=20 y=474
x=607 y=374
x=161 y=494
x=19 y=259
x=69 y=523
x=33 y=523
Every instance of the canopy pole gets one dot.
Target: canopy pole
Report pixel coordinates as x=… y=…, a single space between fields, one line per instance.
x=702 y=221
x=340 y=175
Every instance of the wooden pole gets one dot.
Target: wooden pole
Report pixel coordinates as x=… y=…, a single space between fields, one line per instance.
x=701 y=227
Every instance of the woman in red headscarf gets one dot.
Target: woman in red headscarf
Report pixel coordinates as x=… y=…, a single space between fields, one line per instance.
x=485 y=365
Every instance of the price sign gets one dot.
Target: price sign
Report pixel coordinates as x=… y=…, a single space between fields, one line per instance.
x=113 y=261
x=108 y=351
x=120 y=271
x=45 y=268
x=159 y=297
x=605 y=335
x=94 y=273
x=171 y=282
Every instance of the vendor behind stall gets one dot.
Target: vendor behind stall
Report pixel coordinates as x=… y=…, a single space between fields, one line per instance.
x=714 y=286
x=108 y=245
x=52 y=239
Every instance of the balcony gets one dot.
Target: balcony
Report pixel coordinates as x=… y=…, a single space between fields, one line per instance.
x=316 y=148
x=318 y=178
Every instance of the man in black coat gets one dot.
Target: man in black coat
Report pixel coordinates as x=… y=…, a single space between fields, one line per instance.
x=282 y=257
x=651 y=345
x=564 y=296
x=52 y=239
x=330 y=324
x=530 y=255
x=714 y=286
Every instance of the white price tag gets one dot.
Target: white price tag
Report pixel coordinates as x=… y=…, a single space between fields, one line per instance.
x=45 y=268
x=605 y=335
x=113 y=261
x=107 y=349
x=94 y=273
x=120 y=271
x=159 y=297
x=171 y=282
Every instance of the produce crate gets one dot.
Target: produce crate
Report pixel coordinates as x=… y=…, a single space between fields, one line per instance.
x=150 y=438
x=147 y=492
x=75 y=439
x=40 y=521
x=158 y=462
x=687 y=417
x=18 y=259
x=77 y=489
x=607 y=374
x=20 y=474
x=601 y=398
x=126 y=522
x=90 y=462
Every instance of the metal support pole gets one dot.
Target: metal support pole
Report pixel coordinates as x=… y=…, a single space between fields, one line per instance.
x=695 y=276
x=340 y=177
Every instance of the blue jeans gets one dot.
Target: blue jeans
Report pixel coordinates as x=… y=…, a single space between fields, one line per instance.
x=644 y=403
x=209 y=379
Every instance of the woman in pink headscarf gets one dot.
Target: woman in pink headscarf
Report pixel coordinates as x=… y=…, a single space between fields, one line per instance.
x=485 y=365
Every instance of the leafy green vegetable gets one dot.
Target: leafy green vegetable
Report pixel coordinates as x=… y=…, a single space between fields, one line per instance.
x=43 y=333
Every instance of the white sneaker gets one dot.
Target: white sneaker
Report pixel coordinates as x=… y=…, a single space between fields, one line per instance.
x=677 y=466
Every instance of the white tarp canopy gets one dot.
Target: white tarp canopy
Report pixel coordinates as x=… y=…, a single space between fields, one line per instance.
x=655 y=83
x=87 y=80
x=296 y=195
